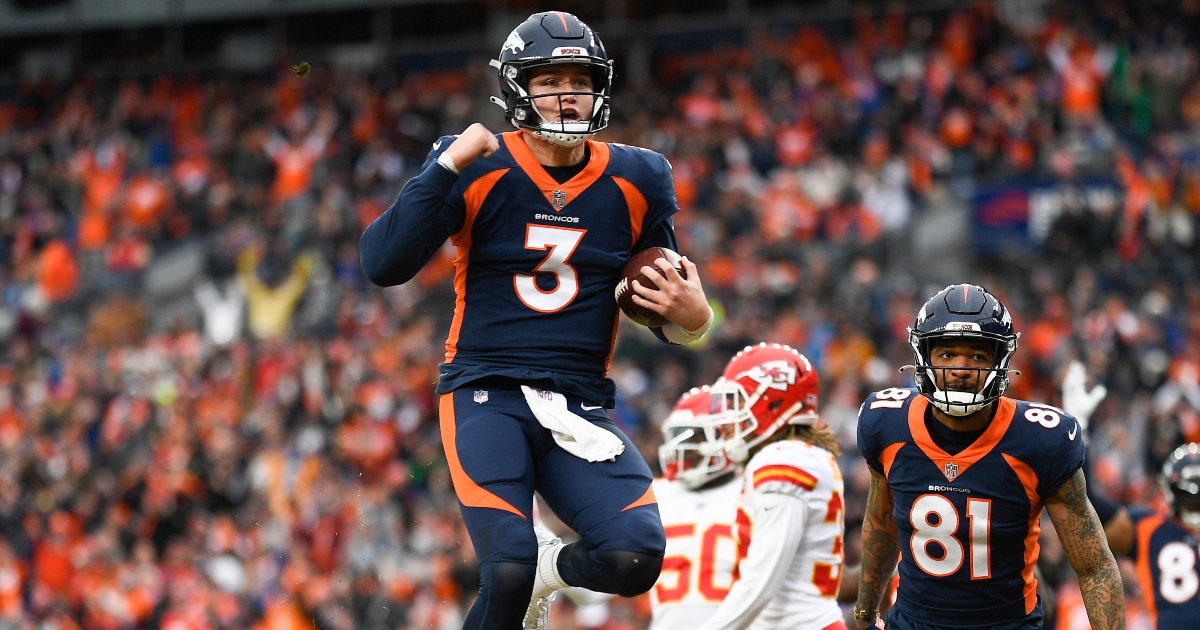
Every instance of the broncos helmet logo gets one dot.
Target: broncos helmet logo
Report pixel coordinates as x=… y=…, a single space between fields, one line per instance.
x=514 y=42
x=772 y=374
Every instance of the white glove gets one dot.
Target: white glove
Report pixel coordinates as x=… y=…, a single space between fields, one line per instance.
x=1076 y=398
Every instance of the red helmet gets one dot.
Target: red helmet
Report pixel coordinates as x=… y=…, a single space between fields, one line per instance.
x=687 y=454
x=763 y=388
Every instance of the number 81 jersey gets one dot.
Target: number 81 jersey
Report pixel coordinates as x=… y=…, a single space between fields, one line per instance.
x=967 y=523
x=1166 y=555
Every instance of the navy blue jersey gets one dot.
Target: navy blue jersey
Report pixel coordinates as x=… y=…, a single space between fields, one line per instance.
x=968 y=523
x=1165 y=553
x=537 y=261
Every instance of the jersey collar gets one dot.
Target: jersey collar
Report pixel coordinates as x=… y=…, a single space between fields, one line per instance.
x=549 y=187
x=953 y=466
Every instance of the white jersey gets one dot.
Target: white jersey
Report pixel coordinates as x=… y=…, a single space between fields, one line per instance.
x=701 y=553
x=790 y=525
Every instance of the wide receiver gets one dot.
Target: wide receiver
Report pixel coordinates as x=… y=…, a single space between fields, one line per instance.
x=959 y=478
x=543 y=220
x=790 y=517
x=697 y=499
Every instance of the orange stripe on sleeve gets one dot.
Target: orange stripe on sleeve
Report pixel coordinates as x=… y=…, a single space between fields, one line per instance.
x=637 y=207
x=647 y=498
x=888 y=456
x=1143 y=532
x=470 y=493
x=1029 y=481
x=789 y=474
x=473 y=198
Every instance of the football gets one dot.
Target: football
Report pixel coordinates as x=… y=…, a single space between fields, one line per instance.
x=633 y=271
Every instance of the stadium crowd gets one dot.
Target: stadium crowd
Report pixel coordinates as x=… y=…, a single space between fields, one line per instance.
x=209 y=419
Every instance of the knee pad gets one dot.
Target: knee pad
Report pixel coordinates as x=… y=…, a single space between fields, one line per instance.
x=625 y=573
x=504 y=591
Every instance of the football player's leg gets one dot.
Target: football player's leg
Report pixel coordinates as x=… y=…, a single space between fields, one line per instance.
x=611 y=506
x=491 y=466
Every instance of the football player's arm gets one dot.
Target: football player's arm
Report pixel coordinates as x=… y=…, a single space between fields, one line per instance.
x=880 y=548
x=1082 y=537
x=680 y=300
x=778 y=522
x=399 y=243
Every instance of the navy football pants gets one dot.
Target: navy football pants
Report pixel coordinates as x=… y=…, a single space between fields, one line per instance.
x=498 y=456
x=898 y=620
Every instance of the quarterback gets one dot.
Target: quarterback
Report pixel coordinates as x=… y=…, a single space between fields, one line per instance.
x=543 y=219
x=960 y=475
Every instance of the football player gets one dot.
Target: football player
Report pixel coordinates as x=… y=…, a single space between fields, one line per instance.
x=959 y=478
x=790 y=516
x=543 y=220
x=1164 y=547
x=697 y=499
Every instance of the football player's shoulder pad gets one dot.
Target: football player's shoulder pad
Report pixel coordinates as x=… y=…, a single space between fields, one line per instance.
x=788 y=467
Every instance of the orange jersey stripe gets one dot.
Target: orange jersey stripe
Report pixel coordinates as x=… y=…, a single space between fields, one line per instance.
x=470 y=493
x=637 y=207
x=1029 y=481
x=473 y=198
x=888 y=456
x=647 y=498
x=780 y=472
x=1145 y=528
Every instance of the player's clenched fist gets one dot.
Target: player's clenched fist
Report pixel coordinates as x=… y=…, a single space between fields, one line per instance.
x=475 y=142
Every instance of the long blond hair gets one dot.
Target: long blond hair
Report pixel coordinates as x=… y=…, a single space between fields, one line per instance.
x=821 y=438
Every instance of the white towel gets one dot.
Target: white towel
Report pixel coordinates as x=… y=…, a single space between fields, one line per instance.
x=575 y=434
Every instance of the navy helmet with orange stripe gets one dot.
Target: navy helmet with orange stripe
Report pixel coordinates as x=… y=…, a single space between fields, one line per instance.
x=552 y=38
x=762 y=389
x=1181 y=484
x=963 y=311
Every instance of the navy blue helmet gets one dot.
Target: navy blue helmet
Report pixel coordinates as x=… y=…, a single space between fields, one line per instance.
x=963 y=311
x=547 y=39
x=1181 y=483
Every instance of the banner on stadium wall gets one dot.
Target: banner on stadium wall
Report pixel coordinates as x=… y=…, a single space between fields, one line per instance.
x=1018 y=214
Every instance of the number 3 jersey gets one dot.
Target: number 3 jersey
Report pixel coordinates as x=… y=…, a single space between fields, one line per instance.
x=701 y=552
x=968 y=524
x=1166 y=554
x=536 y=262
x=790 y=528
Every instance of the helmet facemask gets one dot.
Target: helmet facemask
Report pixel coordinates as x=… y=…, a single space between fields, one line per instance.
x=734 y=424
x=688 y=455
x=523 y=111
x=989 y=383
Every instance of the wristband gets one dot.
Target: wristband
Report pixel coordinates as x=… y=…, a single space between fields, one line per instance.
x=865 y=616
x=447 y=163
x=676 y=333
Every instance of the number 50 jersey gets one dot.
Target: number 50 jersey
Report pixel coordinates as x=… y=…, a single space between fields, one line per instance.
x=701 y=552
x=968 y=523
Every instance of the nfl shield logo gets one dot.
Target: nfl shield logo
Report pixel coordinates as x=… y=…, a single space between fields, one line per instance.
x=481 y=396
x=558 y=199
x=951 y=471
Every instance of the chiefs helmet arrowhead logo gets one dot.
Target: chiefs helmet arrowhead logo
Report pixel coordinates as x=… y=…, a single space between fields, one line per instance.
x=773 y=374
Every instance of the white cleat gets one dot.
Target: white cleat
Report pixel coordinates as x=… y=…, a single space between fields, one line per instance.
x=546 y=581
